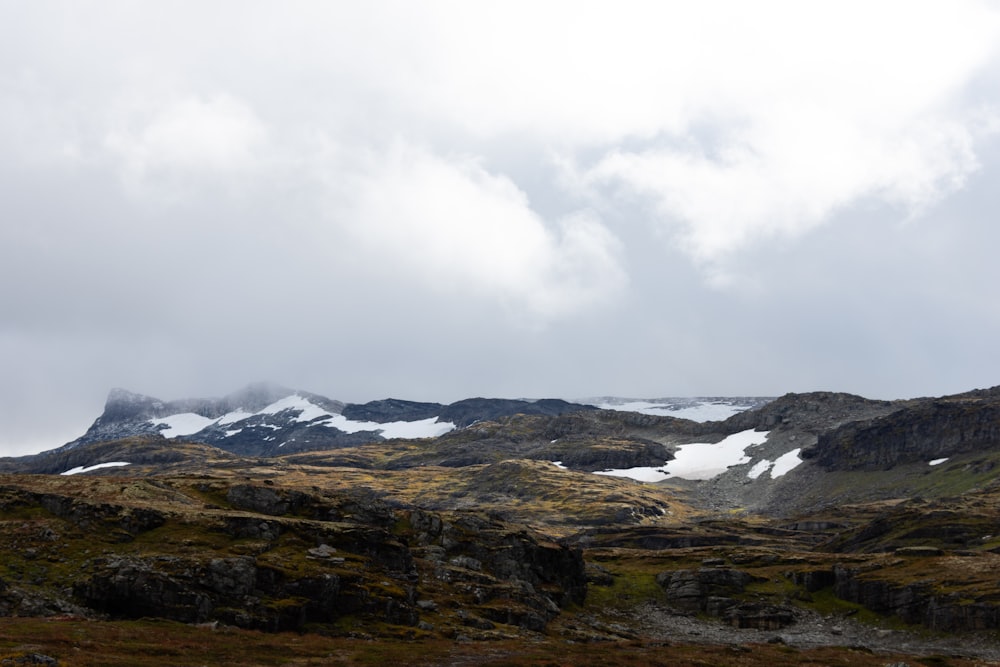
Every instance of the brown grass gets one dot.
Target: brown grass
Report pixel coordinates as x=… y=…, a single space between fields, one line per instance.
x=77 y=643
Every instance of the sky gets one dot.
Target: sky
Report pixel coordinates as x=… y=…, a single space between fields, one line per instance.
x=440 y=200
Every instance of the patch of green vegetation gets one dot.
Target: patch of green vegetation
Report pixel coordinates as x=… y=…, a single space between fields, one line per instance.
x=627 y=590
x=211 y=494
x=179 y=536
x=22 y=512
x=402 y=526
x=776 y=588
x=826 y=602
x=959 y=475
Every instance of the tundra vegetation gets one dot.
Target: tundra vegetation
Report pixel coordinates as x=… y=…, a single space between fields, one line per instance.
x=474 y=548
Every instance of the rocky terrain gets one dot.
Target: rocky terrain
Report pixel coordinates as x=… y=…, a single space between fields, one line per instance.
x=828 y=529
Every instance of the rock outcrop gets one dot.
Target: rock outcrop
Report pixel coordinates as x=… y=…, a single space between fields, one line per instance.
x=713 y=591
x=922 y=431
x=916 y=602
x=813 y=412
x=273 y=559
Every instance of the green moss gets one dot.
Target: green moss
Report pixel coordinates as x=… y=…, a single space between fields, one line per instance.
x=402 y=526
x=778 y=588
x=285 y=603
x=827 y=603
x=628 y=590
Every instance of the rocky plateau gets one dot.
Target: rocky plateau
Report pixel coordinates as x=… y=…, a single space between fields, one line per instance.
x=836 y=530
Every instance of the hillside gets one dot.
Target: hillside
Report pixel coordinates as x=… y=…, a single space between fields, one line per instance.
x=812 y=525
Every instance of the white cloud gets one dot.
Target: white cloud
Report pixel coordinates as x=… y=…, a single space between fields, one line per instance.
x=798 y=112
x=785 y=181
x=734 y=122
x=450 y=223
x=185 y=137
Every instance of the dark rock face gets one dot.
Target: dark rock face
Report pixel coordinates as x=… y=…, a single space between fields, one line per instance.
x=123 y=524
x=509 y=575
x=238 y=591
x=390 y=410
x=466 y=412
x=812 y=412
x=281 y=559
x=709 y=590
x=706 y=590
x=759 y=616
x=541 y=575
x=914 y=602
x=923 y=431
x=621 y=454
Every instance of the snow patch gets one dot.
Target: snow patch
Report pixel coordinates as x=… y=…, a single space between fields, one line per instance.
x=778 y=467
x=79 y=469
x=701 y=460
x=424 y=428
x=186 y=423
x=639 y=474
x=700 y=411
x=706 y=460
x=234 y=416
x=308 y=410
x=786 y=462
x=937 y=462
x=759 y=469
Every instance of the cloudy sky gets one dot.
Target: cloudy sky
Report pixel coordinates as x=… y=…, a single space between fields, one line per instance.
x=438 y=200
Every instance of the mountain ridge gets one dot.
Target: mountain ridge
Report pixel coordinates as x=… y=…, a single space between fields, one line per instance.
x=820 y=519
x=255 y=420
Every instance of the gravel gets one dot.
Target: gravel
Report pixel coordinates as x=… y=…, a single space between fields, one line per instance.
x=809 y=630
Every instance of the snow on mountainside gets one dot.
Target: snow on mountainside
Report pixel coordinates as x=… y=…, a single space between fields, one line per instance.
x=268 y=420
x=301 y=410
x=706 y=460
x=265 y=419
x=260 y=420
x=699 y=409
x=768 y=454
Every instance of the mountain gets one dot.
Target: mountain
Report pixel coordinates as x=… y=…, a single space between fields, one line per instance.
x=819 y=528
x=265 y=419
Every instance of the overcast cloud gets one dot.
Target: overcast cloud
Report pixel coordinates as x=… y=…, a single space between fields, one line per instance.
x=438 y=200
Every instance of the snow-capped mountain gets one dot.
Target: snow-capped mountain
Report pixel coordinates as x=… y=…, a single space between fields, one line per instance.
x=265 y=419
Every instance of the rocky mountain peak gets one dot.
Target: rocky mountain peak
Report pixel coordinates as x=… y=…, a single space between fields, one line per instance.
x=811 y=411
x=124 y=404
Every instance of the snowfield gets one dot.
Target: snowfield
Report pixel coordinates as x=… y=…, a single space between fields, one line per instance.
x=706 y=460
x=79 y=469
x=701 y=411
x=702 y=460
x=640 y=474
x=185 y=423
